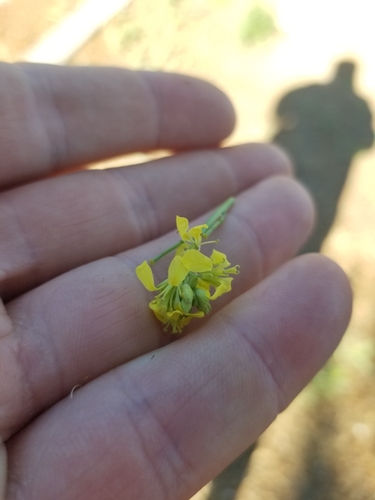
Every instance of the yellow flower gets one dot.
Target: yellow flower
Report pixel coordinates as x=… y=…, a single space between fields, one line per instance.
x=173 y=305
x=186 y=293
x=190 y=261
x=145 y=276
x=175 y=318
x=224 y=287
x=218 y=276
x=192 y=238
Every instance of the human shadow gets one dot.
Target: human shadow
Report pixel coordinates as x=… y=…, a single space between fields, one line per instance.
x=322 y=127
x=318 y=480
x=226 y=484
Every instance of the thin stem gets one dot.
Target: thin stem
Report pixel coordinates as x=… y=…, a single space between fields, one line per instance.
x=218 y=214
x=170 y=249
x=213 y=222
x=208 y=242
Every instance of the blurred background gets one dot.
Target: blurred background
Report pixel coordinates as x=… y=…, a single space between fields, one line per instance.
x=301 y=74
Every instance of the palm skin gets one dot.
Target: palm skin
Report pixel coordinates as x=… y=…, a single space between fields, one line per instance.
x=151 y=418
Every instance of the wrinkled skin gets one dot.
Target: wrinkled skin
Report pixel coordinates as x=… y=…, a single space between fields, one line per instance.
x=150 y=418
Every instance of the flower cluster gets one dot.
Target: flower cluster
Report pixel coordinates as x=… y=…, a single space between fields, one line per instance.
x=194 y=279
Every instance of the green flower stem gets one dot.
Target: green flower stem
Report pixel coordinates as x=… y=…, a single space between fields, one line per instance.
x=213 y=222
x=170 y=249
x=218 y=216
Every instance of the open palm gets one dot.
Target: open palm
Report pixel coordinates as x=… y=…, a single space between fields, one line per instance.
x=150 y=418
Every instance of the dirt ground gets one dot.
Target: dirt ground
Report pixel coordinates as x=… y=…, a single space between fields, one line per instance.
x=323 y=446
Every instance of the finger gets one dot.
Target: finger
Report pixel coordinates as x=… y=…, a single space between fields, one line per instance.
x=55 y=117
x=90 y=320
x=162 y=426
x=94 y=214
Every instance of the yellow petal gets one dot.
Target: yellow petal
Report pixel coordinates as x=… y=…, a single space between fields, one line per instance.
x=203 y=284
x=174 y=315
x=233 y=270
x=196 y=262
x=177 y=271
x=159 y=311
x=181 y=249
x=177 y=315
x=224 y=287
x=182 y=226
x=196 y=232
x=145 y=276
x=219 y=258
x=199 y=314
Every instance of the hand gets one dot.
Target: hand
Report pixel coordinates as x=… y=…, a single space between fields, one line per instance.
x=147 y=420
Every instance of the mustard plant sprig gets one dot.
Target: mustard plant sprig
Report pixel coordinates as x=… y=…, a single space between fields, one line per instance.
x=194 y=279
x=214 y=221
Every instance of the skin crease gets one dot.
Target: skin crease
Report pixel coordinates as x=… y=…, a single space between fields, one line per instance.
x=151 y=419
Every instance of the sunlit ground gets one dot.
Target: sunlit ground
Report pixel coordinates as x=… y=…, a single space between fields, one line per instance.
x=323 y=446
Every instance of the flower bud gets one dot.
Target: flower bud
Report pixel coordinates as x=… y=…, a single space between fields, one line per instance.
x=177 y=305
x=191 y=280
x=187 y=297
x=187 y=293
x=203 y=302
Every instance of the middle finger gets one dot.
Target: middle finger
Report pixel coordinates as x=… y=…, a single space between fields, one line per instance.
x=52 y=226
x=88 y=321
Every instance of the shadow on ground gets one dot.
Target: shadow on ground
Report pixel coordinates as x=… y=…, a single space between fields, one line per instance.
x=319 y=478
x=226 y=484
x=322 y=127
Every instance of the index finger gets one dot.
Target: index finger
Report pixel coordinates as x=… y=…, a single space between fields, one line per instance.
x=54 y=117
